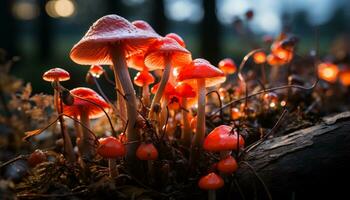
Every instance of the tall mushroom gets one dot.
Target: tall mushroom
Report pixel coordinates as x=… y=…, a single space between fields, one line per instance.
x=205 y=75
x=85 y=108
x=109 y=41
x=165 y=53
x=55 y=75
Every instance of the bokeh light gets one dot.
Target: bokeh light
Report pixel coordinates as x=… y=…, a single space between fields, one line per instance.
x=25 y=10
x=60 y=8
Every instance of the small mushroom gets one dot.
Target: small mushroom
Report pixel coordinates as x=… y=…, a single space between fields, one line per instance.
x=228 y=66
x=211 y=182
x=227 y=165
x=111 y=148
x=84 y=109
x=143 y=79
x=202 y=74
x=55 y=75
x=328 y=71
x=147 y=152
x=344 y=77
x=185 y=90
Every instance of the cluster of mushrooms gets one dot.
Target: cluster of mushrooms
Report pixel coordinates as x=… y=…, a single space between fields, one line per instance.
x=179 y=97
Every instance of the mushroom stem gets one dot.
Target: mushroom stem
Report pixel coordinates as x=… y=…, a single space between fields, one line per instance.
x=211 y=195
x=186 y=131
x=161 y=88
x=145 y=95
x=87 y=140
x=200 y=129
x=67 y=143
x=263 y=74
x=163 y=113
x=120 y=100
x=113 y=170
x=121 y=71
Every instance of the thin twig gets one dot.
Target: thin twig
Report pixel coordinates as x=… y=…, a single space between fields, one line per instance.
x=274 y=128
x=13 y=160
x=101 y=92
x=259 y=178
x=33 y=195
x=267 y=90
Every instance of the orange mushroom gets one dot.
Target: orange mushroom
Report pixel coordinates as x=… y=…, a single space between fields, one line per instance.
x=228 y=66
x=84 y=108
x=143 y=79
x=165 y=54
x=96 y=71
x=109 y=41
x=259 y=57
x=344 y=77
x=328 y=71
x=177 y=38
x=185 y=90
x=204 y=74
x=111 y=148
x=147 y=152
x=211 y=182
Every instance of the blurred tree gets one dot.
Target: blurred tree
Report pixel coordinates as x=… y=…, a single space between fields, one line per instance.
x=8 y=26
x=158 y=19
x=210 y=45
x=45 y=33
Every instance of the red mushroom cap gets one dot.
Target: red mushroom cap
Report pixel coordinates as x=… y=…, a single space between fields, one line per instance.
x=94 y=47
x=143 y=78
x=110 y=147
x=56 y=74
x=185 y=90
x=228 y=66
x=96 y=70
x=80 y=105
x=201 y=69
x=222 y=139
x=211 y=181
x=177 y=38
x=37 y=157
x=155 y=57
x=274 y=60
x=147 y=152
x=227 y=165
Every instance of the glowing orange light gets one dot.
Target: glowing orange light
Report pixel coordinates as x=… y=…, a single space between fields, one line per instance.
x=235 y=113
x=328 y=72
x=259 y=57
x=344 y=77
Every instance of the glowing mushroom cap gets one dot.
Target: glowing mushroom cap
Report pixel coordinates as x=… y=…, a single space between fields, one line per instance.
x=147 y=152
x=169 y=89
x=273 y=60
x=222 y=139
x=328 y=71
x=227 y=65
x=110 y=147
x=227 y=165
x=212 y=181
x=185 y=90
x=344 y=77
x=166 y=48
x=201 y=69
x=56 y=74
x=177 y=38
x=259 y=57
x=94 y=47
x=143 y=78
x=96 y=70
x=80 y=105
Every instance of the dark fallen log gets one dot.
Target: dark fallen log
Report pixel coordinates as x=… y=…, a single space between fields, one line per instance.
x=312 y=163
